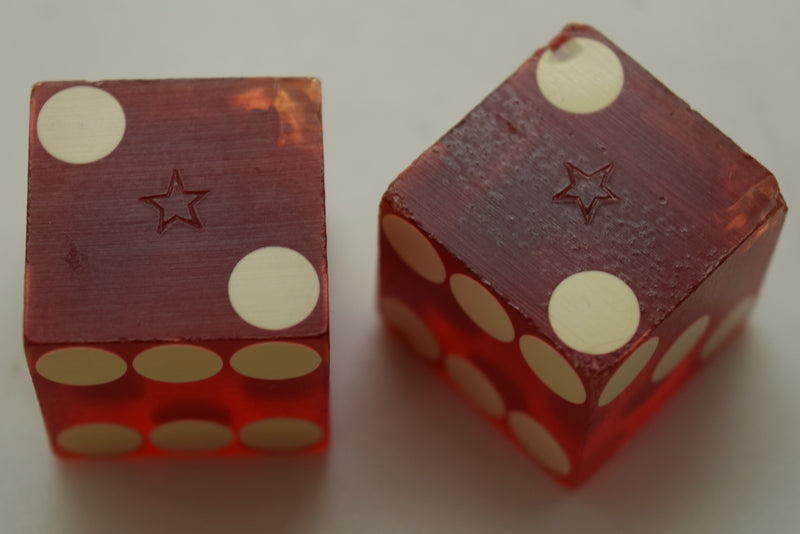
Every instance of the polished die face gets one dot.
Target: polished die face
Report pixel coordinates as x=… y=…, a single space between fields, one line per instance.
x=176 y=278
x=574 y=249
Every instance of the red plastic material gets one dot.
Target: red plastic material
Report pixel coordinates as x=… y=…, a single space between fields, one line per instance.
x=520 y=195
x=136 y=250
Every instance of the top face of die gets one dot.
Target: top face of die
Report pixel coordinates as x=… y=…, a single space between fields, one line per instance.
x=175 y=209
x=581 y=184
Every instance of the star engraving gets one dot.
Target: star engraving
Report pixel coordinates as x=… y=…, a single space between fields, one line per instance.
x=587 y=190
x=177 y=204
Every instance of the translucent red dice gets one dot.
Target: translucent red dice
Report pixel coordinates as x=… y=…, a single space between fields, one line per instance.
x=576 y=248
x=176 y=279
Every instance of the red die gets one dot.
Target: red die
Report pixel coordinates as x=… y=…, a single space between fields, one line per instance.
x=575 y=249
x=176 y=279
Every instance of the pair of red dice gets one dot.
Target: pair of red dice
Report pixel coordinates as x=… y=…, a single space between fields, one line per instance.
x=566 y=257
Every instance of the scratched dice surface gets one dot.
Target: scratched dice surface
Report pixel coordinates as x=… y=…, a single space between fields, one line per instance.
x=176 y=279
x=574 y=250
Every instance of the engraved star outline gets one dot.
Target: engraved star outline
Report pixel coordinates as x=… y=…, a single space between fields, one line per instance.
x=176 y=182
x=575 y=174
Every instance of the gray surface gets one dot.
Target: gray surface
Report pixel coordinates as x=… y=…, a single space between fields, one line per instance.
x=407 y=456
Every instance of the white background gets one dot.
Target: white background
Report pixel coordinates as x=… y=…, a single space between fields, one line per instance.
x=407 y=455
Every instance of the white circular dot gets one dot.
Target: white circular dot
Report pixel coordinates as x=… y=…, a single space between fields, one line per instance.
x=280 y=434
x=81 y=124
x=191 y=435
x=414 y=248
x=275 y=360
x=99 y=439
x=81 y=366
x=409 y=324
x=539 y=443
x=594 y=312
x=727 y=327
x=628 y=371
x=475 y=385
x=274 y=288
x=581 y=76
x=177 y=363
x=680 y=348
x=552 y=369
x=482 y=307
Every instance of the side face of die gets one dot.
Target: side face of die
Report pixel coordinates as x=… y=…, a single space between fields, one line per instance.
x=575 y=249
x=176 y=275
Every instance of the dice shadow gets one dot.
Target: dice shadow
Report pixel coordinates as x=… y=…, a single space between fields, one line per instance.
x=409 y=451
x=666 y=466
x=684 y=454
x=427 y=436
x=209 y=495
